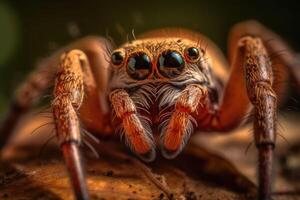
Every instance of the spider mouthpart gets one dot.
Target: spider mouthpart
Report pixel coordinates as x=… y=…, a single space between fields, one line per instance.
x=170 y=64
x=139 y=66
x=192 y=54
x=117 y=58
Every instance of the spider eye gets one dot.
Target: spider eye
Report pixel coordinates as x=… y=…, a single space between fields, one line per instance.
x=139 y=66
x=170 y=64
x=117 y=58
x=192 y=53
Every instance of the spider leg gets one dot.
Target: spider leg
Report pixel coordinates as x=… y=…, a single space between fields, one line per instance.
x=79 y=75
x=42 y=78
x=25 y=97
x=252 y=86
x=79 y=94
x=68 y=97
x=259 y=80
x=283 y=58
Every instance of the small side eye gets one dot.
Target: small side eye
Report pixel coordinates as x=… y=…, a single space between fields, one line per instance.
x=192 y=54
x=117 y=58
x=139 y=66
x=170 y=64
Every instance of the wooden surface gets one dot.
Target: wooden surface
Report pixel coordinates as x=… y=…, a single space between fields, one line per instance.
x=212 y=167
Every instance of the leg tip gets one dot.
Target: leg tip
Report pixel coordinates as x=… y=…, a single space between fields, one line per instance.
x=149 y=156
x=170 y=154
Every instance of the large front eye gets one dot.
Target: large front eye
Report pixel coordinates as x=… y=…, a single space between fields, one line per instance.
x=139 y=66
x=170 y=64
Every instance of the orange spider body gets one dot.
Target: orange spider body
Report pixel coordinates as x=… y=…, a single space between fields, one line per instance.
x=154 y=43
x=159 y=89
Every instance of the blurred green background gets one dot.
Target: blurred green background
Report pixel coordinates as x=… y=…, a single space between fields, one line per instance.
x=30 y=30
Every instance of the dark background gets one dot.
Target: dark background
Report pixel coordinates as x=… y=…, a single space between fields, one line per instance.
x=30 y=29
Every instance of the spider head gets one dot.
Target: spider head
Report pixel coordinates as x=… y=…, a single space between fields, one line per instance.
x=173 y=60
x=154 y=72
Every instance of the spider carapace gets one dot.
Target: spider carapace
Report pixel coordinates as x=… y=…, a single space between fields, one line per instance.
x=159 y=89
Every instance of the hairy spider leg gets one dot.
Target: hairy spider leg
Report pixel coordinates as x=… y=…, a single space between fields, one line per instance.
x=252 y=86
x=89 y=69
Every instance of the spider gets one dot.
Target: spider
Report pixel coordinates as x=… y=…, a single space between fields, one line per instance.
x=160 y=88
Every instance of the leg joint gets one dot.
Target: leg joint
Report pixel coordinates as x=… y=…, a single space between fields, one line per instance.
x=260 y=91
x=265 y=144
